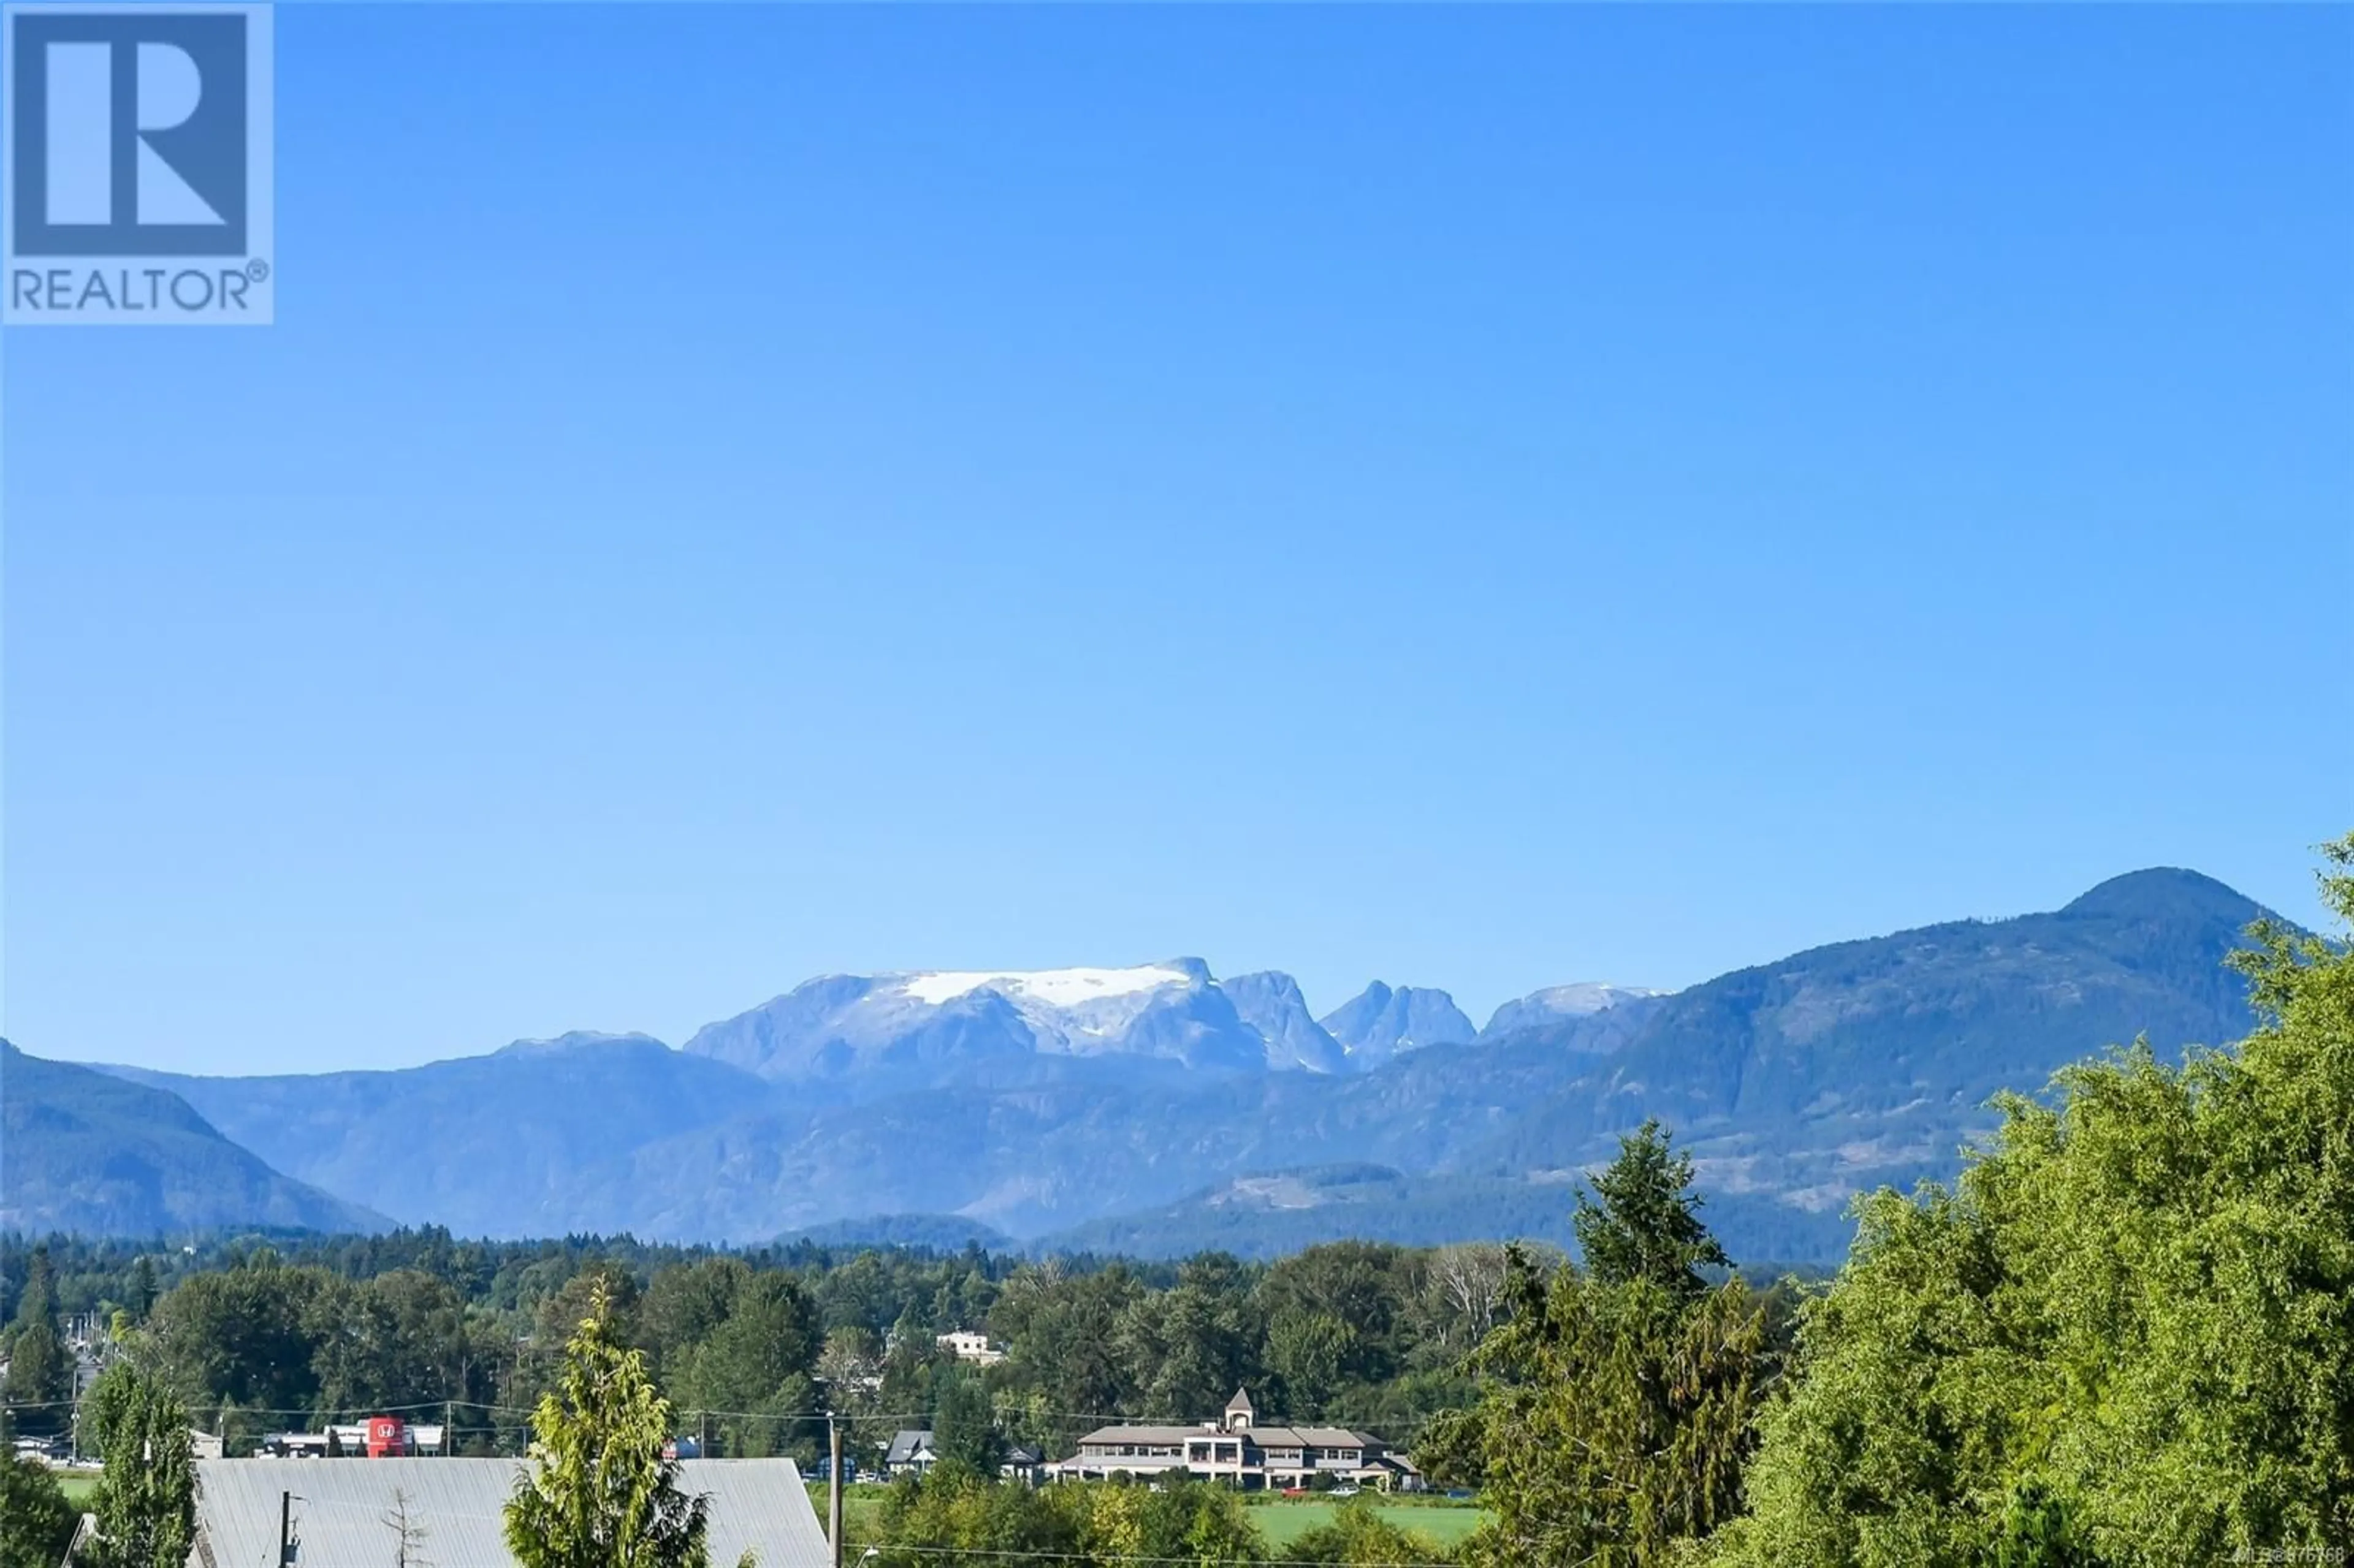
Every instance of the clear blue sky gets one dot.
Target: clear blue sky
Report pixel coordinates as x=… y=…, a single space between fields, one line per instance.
x=1478 y=498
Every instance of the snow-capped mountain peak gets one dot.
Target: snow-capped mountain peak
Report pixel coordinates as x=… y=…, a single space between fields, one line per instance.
x=921 y=1025
x=1054 y=990
x=1554 y=1004
x=924 y=1028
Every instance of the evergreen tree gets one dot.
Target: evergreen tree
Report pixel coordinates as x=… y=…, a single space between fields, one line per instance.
x=1643 y=1222
x=599 y=1494
x=964 y=1427
x=40 y=1376
x=142 y=1288
x=1617 y=1405
x=40 y=1371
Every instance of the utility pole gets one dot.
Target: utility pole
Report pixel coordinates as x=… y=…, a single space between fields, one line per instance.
x=285 y=1530
x=834 y=1486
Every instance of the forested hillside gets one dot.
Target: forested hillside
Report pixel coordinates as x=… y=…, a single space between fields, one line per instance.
x=87 y=1152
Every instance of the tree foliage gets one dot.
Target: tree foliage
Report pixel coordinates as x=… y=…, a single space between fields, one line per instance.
x=953 y=1515
x=37 y=1522
x=1359 y=1536
x=146 y=1497
x=2126 y=1335
x=1643 y=1222
x=40 y=1372
x=964 y=1426
x=599 y=1493
x=1618 y=1404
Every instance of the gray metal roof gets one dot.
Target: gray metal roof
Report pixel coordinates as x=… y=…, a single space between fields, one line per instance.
x=760 y=1505
x=1160 y=1436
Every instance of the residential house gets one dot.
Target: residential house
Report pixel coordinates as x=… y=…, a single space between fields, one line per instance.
x=910 y=1453
x=1240 y=1452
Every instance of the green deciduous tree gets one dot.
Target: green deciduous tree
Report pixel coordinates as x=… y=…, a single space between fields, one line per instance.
x=954 y=1510
x=245 y=1335
x=599 y=1493
x=2126 y=1336
x=1181 y=1522
x=1308 y=1350
x=37 y=1522
x=1452 y=1450
x=146 y=1498
x=951 y=1516
x=1362 y=1284
x=1359 y=1536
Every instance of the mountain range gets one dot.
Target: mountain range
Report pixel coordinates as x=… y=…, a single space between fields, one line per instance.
x=1156 y=1108
x=81 y=1149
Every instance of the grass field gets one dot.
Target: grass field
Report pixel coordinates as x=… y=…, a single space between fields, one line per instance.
x=77 y=1488
x=862 y=1511
x=1283 y=1521
x=1280 y=1521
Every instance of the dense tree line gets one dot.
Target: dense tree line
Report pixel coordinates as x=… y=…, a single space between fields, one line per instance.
x=600 y=1491
x=260 y=1334
x=2124 y=1337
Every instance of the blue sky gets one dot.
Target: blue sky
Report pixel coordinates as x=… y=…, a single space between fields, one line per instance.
x=1480 y=498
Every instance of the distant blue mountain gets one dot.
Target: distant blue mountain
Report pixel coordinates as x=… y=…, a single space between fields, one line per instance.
x=1871 y=1062
x=1620 y=1007
x=1270 y=1002
x=1043 y=1103
x=1378 y=1022
x=1272 y=1214
x=80 y=1150
x=486 y=1145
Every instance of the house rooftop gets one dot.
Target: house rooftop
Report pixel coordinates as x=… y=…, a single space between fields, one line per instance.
x=1260 y=1436
x=758 y=1506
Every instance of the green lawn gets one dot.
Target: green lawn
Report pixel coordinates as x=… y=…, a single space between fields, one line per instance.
x=1283 y=1520
x=77 y=1488
x=862 y=1511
